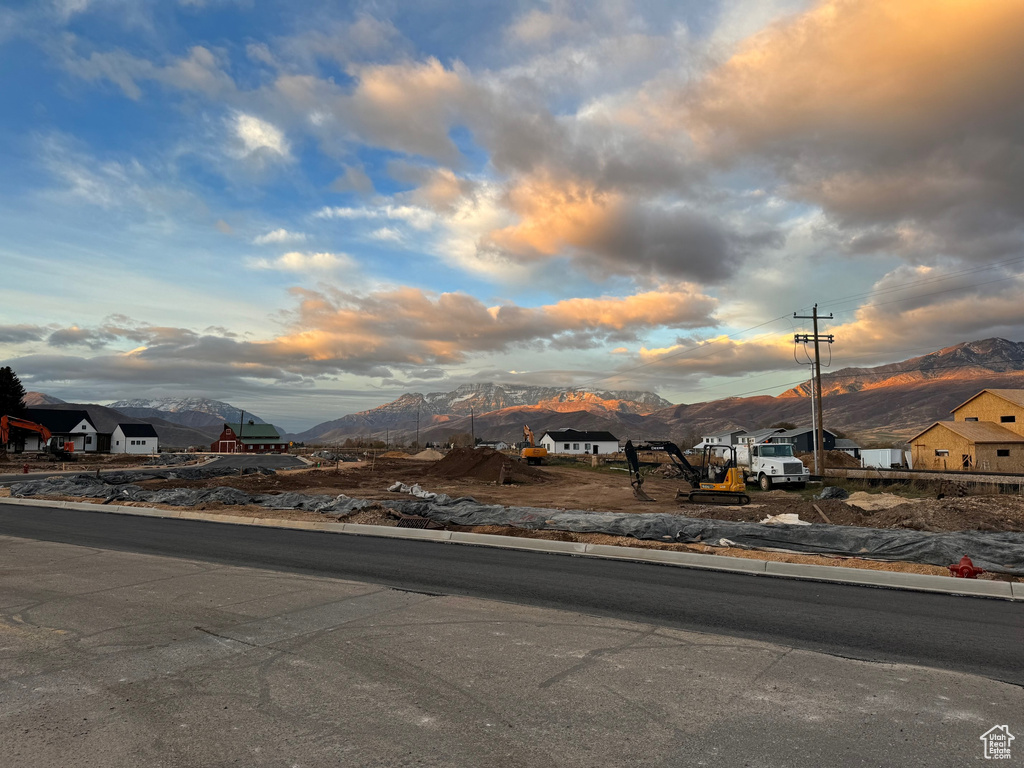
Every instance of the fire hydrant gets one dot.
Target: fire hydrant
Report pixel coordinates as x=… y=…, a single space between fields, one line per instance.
x=24 y=469
x=965 y=569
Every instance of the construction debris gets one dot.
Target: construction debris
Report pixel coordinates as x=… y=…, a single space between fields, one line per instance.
x=1001 y=552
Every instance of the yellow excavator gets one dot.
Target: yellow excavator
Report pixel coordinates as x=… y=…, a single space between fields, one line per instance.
x=531 y=453
x=712 y=484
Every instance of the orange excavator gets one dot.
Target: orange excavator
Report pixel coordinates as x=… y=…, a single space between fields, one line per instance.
x=59 y=453
x=531 y=453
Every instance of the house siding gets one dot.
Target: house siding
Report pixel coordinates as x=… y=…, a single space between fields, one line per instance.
x=938 y=438
x=987 y=406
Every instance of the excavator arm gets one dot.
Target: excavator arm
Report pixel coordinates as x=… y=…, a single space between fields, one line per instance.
x=7 y=422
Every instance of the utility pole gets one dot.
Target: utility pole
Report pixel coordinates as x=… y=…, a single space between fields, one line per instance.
x=472 y=429
x=417 y=426
x=819 y=437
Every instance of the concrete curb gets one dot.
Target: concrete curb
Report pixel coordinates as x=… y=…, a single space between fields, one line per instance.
x=837 y=574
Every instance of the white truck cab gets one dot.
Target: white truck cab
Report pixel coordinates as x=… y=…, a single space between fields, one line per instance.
x=771 y=464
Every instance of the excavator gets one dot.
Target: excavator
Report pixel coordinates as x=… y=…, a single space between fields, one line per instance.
x=531 y=452
x=712 y=484
x=56 y=452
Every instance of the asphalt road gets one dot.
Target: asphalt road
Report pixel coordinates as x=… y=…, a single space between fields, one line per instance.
x=973 y=635
x=121 y=660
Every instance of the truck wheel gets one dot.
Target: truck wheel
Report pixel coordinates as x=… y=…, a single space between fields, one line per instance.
x=765 y=482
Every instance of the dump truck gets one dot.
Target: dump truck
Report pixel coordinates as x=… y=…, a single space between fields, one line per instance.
x=771 y=465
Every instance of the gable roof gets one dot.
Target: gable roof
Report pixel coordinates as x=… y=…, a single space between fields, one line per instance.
x=58 y=421
x=137 y=430
x=976 y=431
x=758 y=435
x=575 y=435
x=255 y=431
x=842 y=442
x=801 y=431
x=730 y=433
x=1015 y=396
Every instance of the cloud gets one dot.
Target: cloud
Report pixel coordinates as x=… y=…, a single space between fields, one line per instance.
x=295 y=261
x=19 y=334
x=201 y=71
x=415 y=216
x=353 y=180
x=258 y=138
x=279 y=236
x=889 y=115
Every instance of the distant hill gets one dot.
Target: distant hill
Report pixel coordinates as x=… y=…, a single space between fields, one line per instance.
x=171 y=435
x=187 y=411
x=39 y=399
x=498 y=409
x=885 y=404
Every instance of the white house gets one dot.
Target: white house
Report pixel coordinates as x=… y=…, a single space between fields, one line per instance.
x=576 y=442
x=67 y=427
x=731 y=437
x=134 y=438
x=498 y=445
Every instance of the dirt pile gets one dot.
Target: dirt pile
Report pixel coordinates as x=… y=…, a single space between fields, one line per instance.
x=485 y=464
x=394 y=455
x=837 y=459
x=428 y=454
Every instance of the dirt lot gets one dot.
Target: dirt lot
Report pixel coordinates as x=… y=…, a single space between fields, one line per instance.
x=606 y=489
x=14 y=463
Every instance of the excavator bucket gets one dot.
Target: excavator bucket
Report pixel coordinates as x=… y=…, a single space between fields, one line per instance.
x=638 y=489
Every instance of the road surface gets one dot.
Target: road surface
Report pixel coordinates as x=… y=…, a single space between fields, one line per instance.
x=972 y=635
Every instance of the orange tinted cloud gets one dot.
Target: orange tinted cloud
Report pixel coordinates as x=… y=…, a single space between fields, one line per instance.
x=864 y=67
x=408 y=326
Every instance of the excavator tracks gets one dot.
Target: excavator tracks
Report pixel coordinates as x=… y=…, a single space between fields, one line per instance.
x=730 y=498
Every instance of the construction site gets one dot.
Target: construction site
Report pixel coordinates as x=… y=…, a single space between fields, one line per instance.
x=592 y=497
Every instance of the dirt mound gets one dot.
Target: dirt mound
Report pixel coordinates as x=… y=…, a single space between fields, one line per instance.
x=428 y=454
x=394 y=455
x=837 y=459
x=486 y=464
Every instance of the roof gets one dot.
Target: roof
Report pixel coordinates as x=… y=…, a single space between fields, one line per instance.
x=1015 y=396
x=137 y=430
x=261 y=431
x=842 y=442
x=576 y=435
x=58 y=421
x=759 y=434
x=800 y=431
x=261 y=440
x=976 y=431
x=730 y=432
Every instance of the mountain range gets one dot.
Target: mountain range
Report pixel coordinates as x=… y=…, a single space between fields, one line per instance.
x=879 y=406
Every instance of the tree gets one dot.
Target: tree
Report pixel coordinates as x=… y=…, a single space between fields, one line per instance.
x=783 y=425
x=12 y=394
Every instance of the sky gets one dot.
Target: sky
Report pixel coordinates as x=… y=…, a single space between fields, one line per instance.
x=307 y=209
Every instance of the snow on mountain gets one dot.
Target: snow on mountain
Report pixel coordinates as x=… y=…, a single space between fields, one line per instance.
x=188 y=411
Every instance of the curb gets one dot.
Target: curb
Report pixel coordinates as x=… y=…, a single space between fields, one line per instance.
x=916 y=582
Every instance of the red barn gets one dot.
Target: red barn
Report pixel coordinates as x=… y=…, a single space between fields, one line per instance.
x=249 y=438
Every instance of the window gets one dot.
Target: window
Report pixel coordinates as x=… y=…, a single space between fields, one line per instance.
x=142 y=442
x=971 y=418
x=586 y=446
x=940 y=452
x=88 y=439
x=117 y=442
x=566 y=447
x=133 y=442
x=1007 y=419
x=1002 y=452
x=575 y=446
